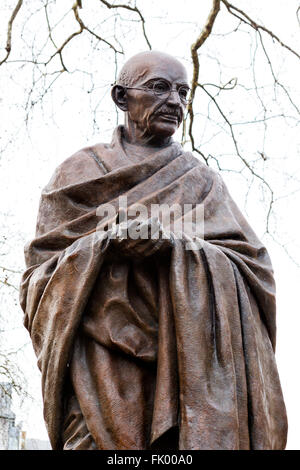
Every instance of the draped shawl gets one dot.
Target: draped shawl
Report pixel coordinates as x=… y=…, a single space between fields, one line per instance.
x=182 y=339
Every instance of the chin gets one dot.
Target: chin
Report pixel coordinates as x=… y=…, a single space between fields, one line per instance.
x=164 y=129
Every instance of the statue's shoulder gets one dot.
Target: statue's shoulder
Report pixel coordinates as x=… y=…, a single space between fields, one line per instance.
x=78 y=168
x=206 y=171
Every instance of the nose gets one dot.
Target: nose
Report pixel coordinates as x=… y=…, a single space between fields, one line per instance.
x=174 y=98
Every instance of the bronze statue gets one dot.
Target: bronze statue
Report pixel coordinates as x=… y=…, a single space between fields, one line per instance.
x=144 y=343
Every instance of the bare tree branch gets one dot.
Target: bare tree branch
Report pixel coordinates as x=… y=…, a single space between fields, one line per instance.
x=253 y=172
x=7 y=283
x=82 y=27
x=60 y=49
x=276 y=81
x=250 y=22
x=10 y=270
x=49 y=26
x=194 y=52
x=9 y=30
x=136 y=10
x=230 y=85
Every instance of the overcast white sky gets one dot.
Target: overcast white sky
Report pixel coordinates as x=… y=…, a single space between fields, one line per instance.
x=65 y=123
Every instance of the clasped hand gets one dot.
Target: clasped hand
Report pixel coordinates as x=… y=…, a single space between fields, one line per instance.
x=140 y=238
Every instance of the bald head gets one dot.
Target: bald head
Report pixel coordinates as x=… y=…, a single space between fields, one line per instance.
x=151 y=89
x=147 y=65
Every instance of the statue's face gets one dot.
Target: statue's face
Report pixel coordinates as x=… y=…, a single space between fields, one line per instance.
x=156 y=114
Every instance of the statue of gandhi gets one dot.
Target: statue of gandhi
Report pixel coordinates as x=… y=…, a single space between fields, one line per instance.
x=163 y=341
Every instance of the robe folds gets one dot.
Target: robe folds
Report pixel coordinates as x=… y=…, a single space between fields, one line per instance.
x=131 y=349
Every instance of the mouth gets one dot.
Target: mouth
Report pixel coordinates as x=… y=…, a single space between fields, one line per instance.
x=169 y=117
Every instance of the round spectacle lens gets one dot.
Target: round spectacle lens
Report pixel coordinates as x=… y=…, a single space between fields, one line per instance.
x=183 y=92
x=163 y=89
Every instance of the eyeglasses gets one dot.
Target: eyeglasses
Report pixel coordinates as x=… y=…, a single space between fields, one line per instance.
x=162 y=89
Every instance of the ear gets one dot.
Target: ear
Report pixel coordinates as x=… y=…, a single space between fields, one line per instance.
x=119 y=96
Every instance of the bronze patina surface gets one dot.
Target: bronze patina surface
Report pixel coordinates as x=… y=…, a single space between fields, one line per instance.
x=143 y=344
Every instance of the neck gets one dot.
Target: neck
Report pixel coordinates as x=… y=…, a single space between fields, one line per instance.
x=135 y=136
